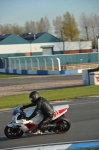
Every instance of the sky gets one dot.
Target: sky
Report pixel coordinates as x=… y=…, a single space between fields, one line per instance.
x=20 y=11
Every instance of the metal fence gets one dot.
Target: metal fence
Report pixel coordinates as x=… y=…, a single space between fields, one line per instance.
x=52 y=62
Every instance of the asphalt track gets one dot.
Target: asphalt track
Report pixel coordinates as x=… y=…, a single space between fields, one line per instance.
x=39 y=79
x=27 y=84
x=83 y=115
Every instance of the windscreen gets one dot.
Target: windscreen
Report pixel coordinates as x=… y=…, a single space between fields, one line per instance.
x=15 y=112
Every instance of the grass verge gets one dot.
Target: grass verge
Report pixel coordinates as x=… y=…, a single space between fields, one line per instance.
x=56 y=94
x=9 y=75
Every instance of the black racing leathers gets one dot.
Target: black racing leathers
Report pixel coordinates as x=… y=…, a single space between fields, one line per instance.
x=43 y=105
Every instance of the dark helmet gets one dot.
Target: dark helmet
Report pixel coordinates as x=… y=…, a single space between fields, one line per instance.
x=34 y=95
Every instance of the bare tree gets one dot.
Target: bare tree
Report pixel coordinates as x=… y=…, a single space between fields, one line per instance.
x=33 y=28
x=5 y=29
x=94 y=28
x=17 y=29
x=8 y=28
x=27 y=27
x=41 y=25
x=84 y=24
x=44 y=25
x=58 y=26
x=89 y=27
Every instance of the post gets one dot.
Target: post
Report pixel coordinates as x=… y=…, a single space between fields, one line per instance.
x=98 y=50
x=79 y=46
x=19 y=64
x=25 y=64
x=45 y=63
x=52 y=63
x=31 y=63
x=9 y=63
x=59 y=66
x=81 y=63
x=94 y=37
x=14 y=63
x=62 y=40
x=38 y=63
x=87 y=32
x=98 y=47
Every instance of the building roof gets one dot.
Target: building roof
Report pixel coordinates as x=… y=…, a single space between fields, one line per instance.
x=43 y=37
x=31 y=36
x=13 y=39
x=3 y=36
x=46 y=38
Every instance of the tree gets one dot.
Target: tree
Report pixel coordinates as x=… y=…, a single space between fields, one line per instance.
x=30 y=27
x=94 y=29
x=6 y=29
x=33 y=28
x=70 y=29
x=27 y=27
x=17 y=29
x=43 y=25
x=40 y=26
x=85 y=25
x=58 y=26
x=89 y=27
x=47 y=24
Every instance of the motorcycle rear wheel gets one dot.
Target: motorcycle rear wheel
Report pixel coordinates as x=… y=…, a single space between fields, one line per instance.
x=13 y=133
x=62 y=126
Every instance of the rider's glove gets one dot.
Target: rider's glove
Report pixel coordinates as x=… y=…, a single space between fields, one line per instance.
x=21 y=108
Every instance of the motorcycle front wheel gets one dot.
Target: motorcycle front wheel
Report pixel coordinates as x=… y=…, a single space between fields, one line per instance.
x=13 y=133
x=62 y=126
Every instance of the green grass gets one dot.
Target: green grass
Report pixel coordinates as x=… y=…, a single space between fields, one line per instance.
x=57 y=94
x=3 y=75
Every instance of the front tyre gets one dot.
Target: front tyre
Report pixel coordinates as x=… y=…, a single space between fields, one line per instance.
x=62 y=126
x=13 y=133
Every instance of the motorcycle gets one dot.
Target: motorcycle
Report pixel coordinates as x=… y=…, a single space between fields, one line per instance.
x=19 y=125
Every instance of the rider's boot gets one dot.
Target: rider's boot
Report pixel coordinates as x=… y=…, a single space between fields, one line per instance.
x=38 y=132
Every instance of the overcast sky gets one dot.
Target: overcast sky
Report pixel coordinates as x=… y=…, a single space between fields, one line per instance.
x=20 y=11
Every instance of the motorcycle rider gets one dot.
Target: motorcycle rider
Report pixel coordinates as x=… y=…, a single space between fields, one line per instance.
x=41 y=104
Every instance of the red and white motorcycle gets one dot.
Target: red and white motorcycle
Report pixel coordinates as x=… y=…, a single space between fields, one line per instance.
x=18 y=125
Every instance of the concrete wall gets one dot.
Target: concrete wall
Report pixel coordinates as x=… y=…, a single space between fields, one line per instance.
x=78 y=45
x=58 y=46
x=35 y=48
x=14 y=49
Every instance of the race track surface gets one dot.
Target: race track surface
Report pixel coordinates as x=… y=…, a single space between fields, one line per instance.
x=83 y=115
x=27 y=84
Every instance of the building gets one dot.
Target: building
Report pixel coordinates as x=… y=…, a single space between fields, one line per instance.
x=29 y=44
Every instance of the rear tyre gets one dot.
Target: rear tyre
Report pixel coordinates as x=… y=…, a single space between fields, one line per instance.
x=62 y=126
x=13 y=133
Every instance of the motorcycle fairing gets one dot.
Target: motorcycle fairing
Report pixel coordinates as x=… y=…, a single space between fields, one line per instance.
x=59 y=111
x=24 y=124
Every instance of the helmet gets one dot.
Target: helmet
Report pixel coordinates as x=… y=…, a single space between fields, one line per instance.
x=34 y=95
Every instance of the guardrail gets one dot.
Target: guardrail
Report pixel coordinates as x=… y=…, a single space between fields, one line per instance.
x=39 y=72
